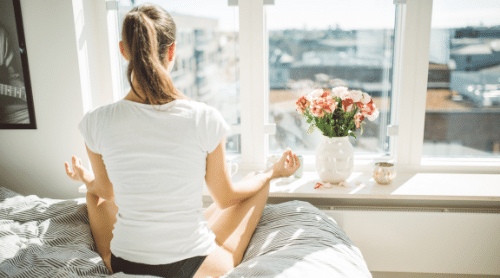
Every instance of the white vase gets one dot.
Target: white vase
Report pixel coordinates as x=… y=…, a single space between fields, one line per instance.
x=334 y=159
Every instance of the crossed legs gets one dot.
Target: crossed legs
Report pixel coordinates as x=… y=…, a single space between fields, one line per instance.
x=233 y=228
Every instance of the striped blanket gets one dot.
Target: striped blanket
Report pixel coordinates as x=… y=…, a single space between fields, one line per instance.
x=51 y=238
x=297 y=240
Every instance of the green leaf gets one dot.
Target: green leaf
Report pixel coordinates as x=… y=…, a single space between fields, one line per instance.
x=310 y=130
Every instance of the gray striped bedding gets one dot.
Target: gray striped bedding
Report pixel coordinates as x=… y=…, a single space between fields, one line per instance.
x=295 y=239
x=51 y=238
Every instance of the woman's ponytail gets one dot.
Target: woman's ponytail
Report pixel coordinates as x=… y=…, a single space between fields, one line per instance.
x=148 y=32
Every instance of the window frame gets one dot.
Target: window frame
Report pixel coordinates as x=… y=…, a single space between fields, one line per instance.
x=413 y=81
x=412 y=107
x=411 y=53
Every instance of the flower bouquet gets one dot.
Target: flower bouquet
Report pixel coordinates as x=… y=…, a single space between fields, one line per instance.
x=337 y=112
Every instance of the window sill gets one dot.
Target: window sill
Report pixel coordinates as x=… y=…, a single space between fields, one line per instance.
x=441 y=190
x=408 y=189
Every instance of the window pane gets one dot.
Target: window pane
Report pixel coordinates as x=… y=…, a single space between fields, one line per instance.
x=207 y=65
x=314 y=44
x=463 y=91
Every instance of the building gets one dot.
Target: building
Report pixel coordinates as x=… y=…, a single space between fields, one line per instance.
x=358 y=57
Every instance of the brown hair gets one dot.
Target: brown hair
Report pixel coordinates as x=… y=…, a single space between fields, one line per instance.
x=148 y=32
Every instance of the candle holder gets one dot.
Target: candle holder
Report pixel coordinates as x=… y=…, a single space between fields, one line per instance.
x=384 y=172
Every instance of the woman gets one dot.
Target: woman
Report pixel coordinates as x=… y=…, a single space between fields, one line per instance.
x=150 y=154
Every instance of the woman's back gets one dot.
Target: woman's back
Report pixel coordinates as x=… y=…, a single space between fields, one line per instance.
x=155 y=156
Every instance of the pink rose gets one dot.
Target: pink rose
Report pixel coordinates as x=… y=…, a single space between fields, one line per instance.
x=314 y=94
x=339 y=91
x=358 y=118
x=356 y=95
x=365 y=98
x=318 y=111
x=347 y=104
x=371 y=105
x=360 y=105
x=373 y=116
x=300 y=110
x=325 y=95
x=370 y=111
x=318 y=102
x=326 y=105
x=330 y=105
x=302 y=104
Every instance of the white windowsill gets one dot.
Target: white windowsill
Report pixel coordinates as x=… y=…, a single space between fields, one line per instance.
x=406 y=186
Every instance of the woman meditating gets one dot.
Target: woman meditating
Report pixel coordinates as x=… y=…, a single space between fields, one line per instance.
x=150 y=154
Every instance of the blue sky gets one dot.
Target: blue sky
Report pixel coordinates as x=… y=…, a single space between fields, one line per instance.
x=349 y=14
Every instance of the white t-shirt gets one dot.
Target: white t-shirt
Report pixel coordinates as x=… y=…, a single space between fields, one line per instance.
x=155 y=157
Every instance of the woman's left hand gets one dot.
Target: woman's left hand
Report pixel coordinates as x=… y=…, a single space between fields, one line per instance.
x=79 y=172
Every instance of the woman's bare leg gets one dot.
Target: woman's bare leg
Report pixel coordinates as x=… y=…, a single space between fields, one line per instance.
x=102 y=218
x=233 y=228
x=210 y=210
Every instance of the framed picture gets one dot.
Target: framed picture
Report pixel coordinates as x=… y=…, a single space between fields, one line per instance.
x=16 y=98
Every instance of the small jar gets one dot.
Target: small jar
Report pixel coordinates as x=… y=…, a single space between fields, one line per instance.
x=300 y=172
x=384 y=172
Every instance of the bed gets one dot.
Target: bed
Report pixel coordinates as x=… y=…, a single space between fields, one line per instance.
x=41 y=237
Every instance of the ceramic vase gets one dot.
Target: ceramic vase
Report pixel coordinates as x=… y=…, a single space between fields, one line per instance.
x=334 y=159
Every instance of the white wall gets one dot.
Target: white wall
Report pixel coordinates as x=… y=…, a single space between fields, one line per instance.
x=65 y=84
x=425 y=242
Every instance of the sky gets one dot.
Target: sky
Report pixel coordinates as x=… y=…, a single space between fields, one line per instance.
x=348 y=14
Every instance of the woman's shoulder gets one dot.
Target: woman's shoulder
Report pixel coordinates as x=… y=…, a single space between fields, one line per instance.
x=200 y=108
x=101 y=110
x=191 y=103
x=201 y=111
x=102 y=114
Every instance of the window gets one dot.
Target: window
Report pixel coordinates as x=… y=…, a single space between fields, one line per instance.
x=431 y=66
x=463 y=89
x=313 y=48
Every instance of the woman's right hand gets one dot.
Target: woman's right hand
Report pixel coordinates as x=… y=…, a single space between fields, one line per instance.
x=80 y=173
x=286 y=166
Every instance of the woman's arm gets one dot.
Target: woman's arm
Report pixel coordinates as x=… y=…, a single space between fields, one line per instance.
x=99 y=185
x=225 y=193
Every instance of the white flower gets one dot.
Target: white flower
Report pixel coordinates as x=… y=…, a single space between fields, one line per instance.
x=317 y=93
x=339 y=91
x=314 y=94
x=373 y=116
x=365 y=98
x=356 y=95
